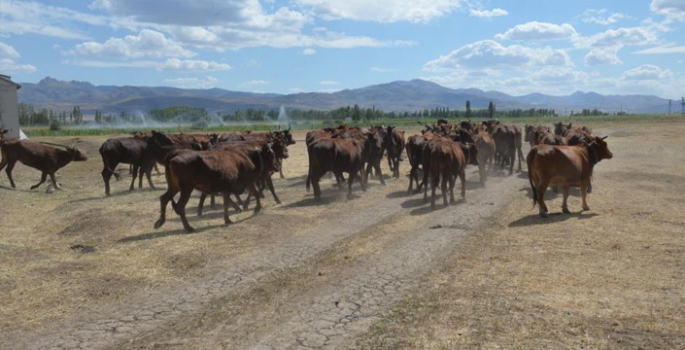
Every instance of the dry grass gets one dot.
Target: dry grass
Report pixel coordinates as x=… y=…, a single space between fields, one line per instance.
x=611 y=278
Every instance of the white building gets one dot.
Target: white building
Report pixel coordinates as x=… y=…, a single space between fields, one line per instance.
x=9 y=112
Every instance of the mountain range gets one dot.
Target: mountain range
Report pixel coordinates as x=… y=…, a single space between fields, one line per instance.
x=397 y=96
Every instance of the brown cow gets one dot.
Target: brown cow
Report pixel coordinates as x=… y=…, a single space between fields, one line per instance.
x=395 y=146
x=3 y=131
x=127 y=150
x=445 y=159
x=336 y=155
x=564 y=166
x=227 y=172
x=533 y=133
x=414 y=148
x=38 y=156
x=508 y=144
x=550 y=138
x=486 y=154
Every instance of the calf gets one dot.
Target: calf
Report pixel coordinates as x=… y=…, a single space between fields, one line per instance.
x=446 y=160
x=564 y=166
x=486 y=154
x=227 y=172
x=414 y=148
x=38 y=156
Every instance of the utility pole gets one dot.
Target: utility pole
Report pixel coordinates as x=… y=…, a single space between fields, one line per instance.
x=670 y=102
x=682 y=104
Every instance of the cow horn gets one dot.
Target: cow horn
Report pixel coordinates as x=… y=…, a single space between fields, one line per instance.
x=54 y=144
x=604 y=138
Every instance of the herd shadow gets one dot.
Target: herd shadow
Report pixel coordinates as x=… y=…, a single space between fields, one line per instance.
x=162 y=234
x=535 y=219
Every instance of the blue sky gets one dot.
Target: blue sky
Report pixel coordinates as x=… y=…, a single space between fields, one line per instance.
x=514 y=46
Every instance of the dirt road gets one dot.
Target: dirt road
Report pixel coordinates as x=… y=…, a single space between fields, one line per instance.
x=315 y=283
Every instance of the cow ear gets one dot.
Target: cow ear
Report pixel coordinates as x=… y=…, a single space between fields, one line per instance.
x=604 y=138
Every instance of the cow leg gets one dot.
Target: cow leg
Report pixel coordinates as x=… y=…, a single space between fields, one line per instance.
x=234 y=205
x=227 y=200
x=148 y=174
x=564 y=205
x=107 y=175
x=520 y=156
x=10 y=166
x=589 y=186
x=253 y=191
x=270 y=185
x=54 y=181
x=212 y=200
x=156 y=170
x=309 y=182
x=433 y=185
x=541 y=189
x=380 y=173
x=390 y=163
x=583 y=194
x=446 y=179
x=317 y=189
x=350 y=180
x=201 y=204
x=164 y=200
x=462 y=178
x=134 y=173
x=511 y=158
x=42 y=179
x=425 y=183
x=412 y=173
x=238 y=200
x=180 y=208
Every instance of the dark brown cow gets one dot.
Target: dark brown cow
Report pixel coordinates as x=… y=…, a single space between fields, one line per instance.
x=3 y=131
x=564 y=166
x=38 y=156
x=508 y=142
x=395 y=146
x=446 y=160
x=414 y=147
x=336 y=155
x=486 y=154
x=227 y=172
x=550 y=138
x=374 y=147
x=533 y=133
x=127 y=150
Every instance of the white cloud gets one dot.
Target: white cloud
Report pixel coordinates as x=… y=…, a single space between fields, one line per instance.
x=383 y=11
x=603 y=56
x=253 y=83
x=148 y=43
x=620 y=36
x=113 y=64
x=381 y=70
x=599 y=17
x=329 y=82
x=308 y=51
x=193 y=83
x=672 y=9
x=663 y=49
x=192 y=65
x=488 y=54
x=550 y=75
x=647 y=72
x=8 y=55
x=488 y=13
x=538 y=31
x=8 y=52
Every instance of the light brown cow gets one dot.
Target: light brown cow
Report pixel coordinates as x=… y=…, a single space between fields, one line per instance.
x=564 y=166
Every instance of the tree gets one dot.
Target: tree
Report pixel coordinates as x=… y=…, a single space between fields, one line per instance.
x=491 y=110
x=468 y=109
x=356 y=113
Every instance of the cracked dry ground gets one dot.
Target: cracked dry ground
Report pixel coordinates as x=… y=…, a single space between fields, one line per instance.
x=316 y=287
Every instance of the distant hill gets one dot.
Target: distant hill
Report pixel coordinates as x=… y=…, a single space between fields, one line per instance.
x=395 y=96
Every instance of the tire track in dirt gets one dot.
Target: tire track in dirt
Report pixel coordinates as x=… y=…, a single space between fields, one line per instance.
x=148 y=310
x=330 y=315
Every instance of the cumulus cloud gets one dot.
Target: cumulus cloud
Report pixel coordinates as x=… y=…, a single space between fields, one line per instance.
x=620 y=36
x=383 y=11
x=176 y=64
x=193 y=83
x=488 y=13
x=672 y=9
x=603 y=56
x=488 y=54
x=599 y=16
x=252 y=83
x=647 y=72
x=8 y=55
x=538 y=31
x=308 y=51
x=148 y=43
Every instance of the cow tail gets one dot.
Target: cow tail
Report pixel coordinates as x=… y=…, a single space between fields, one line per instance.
x=309 y=173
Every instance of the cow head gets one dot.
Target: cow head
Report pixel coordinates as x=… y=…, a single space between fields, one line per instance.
x=373 y=143
x=3 y=131
x=269 y=159
x=77 y=155
x=599 y=148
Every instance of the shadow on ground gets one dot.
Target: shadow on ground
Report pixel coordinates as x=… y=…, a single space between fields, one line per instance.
x=535 y=219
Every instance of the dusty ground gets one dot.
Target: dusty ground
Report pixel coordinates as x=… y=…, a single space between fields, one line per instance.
x=302 y=275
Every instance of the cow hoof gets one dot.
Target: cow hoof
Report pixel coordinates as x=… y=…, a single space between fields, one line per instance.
x=189 y=229
x=543 y=215
x=159 y=223
x=227 y=223
x=34 y=187
x=257 y=209
x=565 y=210
x=586 y=208
x=278 y=202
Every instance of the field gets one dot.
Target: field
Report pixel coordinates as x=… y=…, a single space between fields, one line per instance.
x=79 y=270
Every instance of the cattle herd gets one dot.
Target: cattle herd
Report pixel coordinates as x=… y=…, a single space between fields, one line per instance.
x=231 y=164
